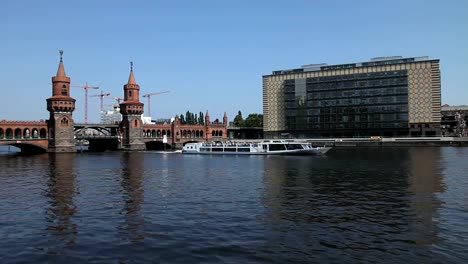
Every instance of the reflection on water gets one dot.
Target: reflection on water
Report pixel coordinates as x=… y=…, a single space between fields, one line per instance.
x=61 y=191
x=424 y=182
x=381 y=200
x=391 y=205
x=132 y=191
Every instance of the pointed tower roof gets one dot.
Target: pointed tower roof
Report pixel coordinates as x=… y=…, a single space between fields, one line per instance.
x=225 y=115
x=60 y=76
x=61 y=69
x=131 y=78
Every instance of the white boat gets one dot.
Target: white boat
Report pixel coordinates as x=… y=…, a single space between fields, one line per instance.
x=266 y=147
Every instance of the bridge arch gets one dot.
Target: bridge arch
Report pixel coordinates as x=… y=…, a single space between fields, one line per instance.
x=101 y=130
x=26 y=133
x=18 y=133
x=157 y=145
x=2 y=133
x=34 y=133
x=43 y=133
x=26 y=147
x=9 y=133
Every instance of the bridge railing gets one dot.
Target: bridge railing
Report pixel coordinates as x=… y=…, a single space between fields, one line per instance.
x=95 y=137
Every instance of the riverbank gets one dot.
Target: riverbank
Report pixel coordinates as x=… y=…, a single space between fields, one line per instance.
x=390 y=142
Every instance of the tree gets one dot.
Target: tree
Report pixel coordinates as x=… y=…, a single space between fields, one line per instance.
x=201 y=119
x=182 y=119
x=238 y=120
x=253 y=120
x=187 y=117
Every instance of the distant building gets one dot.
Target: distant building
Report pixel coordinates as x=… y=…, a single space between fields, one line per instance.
x=111 y=116
x=146 y=120
x=387 y=96
x=245 y=132
x=454 y=120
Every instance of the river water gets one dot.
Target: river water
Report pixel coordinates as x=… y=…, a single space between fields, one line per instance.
x=357 y=205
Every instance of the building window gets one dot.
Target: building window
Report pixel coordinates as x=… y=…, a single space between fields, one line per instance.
x=64 y=121
x=64 y=90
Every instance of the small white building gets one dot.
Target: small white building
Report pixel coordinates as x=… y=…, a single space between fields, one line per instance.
x=111 y=116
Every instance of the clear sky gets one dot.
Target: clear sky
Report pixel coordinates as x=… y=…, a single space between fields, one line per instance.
x=211 y=54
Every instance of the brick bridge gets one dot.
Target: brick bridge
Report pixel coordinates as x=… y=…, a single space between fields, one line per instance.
x=60 y=134
x=29 y=136
x=32 y=136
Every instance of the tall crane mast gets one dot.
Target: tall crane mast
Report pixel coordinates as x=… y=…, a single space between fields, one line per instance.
x=149 y=99
x=102 y=94
x=86 y=87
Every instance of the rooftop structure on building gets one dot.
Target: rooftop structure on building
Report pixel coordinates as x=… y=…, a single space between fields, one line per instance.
x=378 y=61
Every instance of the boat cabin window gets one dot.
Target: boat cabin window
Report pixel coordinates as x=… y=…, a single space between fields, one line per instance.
x=243 y=150
x=293 y=146
x=276 y=147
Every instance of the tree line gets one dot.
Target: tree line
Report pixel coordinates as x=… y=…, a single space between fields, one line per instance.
x=192 y=119
x=252 y=120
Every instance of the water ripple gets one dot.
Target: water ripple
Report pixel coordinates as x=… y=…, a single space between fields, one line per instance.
x=353 y=205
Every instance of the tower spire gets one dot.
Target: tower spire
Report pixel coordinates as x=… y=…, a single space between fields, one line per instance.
x=131 y=78
x=61 y=69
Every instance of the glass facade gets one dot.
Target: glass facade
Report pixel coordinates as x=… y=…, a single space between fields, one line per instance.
x=364 y=104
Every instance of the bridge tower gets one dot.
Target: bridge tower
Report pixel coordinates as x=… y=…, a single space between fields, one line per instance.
x=131 y=127
x=207 y=118
x=61 y=106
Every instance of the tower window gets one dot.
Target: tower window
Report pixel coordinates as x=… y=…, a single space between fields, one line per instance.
x=64 y=90
x=130 y=94
x=64 y=121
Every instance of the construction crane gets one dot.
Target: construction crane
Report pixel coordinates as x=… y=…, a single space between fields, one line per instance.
x=102 y=94
x=86 y=87
x=149 y=99
x=118 y=99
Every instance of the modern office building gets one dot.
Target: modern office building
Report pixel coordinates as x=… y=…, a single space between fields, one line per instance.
x=386 y=96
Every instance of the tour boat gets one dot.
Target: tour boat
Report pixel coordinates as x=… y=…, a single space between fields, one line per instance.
x=266 y=147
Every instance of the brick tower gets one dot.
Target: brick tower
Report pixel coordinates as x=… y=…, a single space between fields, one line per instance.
x=131 y=109
x=61 y=106
x=225 y=119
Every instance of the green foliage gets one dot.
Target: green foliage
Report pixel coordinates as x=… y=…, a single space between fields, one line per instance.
x=192 y=119
x=238 y=120
x=182 y=119
x=254 y=120
x=201 y=119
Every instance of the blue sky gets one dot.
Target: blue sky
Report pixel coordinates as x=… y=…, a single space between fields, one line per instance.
x=212 y=54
